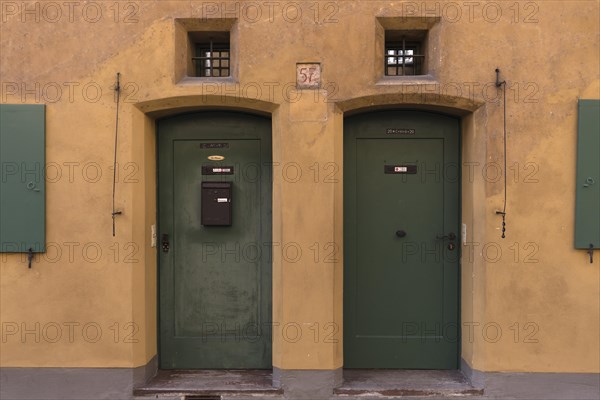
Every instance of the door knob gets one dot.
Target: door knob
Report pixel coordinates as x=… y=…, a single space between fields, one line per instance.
x=400 y=234
x=450 y=236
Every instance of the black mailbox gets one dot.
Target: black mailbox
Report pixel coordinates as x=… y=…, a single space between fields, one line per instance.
x=216 y=203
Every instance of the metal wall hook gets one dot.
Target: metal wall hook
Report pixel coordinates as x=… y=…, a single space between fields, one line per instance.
x=29 y=257
x=498 y=82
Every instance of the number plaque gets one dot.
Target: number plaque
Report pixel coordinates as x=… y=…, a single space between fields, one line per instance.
x=308 y=75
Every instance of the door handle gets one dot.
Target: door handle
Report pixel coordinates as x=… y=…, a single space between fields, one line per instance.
x=450 y=236
x=400 y=233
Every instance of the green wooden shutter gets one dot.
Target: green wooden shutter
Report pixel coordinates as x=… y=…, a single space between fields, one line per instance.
x=22 y=183
x=587 y=207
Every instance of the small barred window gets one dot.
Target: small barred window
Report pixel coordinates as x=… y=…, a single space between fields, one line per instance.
x=404 y=56
x=212 y=57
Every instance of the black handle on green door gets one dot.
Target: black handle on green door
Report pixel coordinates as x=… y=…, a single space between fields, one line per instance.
x=400 y=234
x=450 y=236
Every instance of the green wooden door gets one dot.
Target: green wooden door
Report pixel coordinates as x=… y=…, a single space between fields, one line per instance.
x=401 y=191
x=215 y=281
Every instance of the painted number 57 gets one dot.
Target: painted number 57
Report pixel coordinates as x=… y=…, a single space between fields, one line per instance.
x=307 y=74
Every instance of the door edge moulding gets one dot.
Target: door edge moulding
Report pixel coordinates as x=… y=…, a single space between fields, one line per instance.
x=435 y=101
x=169 y=106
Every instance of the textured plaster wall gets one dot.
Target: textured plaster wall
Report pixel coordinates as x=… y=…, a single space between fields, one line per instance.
x=546 y=292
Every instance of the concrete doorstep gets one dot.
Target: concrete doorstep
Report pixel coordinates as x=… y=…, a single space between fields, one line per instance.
x=223 y=385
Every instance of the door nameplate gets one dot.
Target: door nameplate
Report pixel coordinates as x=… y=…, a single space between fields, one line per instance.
x=214 y=145
x=211 y=170
x=400 y=169
x=400 y=131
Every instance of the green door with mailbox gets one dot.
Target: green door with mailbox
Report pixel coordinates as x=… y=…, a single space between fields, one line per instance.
x=214 y=191
x=401 y=245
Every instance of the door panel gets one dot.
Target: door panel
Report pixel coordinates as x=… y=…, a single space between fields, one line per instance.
x=215 y=281
x=400 y=292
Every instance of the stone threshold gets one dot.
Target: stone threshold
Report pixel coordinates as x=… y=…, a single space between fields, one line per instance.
x=405 y=383
x=208 y=384
x=357 y=383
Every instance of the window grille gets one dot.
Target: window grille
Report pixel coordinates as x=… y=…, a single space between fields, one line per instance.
x=404 y=58
x=212 y=59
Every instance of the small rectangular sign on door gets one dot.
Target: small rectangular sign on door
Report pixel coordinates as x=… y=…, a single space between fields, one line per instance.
x=210 y=170
x=400 y=169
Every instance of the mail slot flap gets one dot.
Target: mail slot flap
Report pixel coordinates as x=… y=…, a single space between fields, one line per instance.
x=216 y=185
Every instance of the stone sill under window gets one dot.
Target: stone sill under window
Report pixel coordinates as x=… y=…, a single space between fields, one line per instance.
x=197 y=80
x=407 y=80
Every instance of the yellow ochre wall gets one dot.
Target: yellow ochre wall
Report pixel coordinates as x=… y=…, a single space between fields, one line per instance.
x=540 y=292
